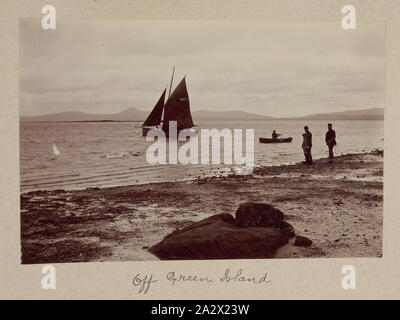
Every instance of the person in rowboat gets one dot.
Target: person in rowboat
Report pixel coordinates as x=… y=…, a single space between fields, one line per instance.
x=275 y=135
x=307 y=145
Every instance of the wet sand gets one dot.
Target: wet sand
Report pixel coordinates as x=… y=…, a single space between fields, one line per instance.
x=339 y=206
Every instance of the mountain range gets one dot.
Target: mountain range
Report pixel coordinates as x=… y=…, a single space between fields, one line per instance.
x=133 y=114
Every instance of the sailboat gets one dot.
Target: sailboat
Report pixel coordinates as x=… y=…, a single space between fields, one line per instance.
x=177 y=108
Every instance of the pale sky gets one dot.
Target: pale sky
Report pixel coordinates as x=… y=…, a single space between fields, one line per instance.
x=270 y=68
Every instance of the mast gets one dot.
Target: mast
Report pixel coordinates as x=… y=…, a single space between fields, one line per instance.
x=172 y=79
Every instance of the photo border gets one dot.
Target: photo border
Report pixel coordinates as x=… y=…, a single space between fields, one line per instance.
x=307 y=278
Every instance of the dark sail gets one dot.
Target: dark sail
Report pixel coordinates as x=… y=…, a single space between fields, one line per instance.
x=154 y=118
x=177 y=108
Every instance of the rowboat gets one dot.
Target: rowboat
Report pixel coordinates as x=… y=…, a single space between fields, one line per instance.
x=278 y=140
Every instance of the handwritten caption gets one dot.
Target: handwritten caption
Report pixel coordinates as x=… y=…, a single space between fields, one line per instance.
x=145 y=281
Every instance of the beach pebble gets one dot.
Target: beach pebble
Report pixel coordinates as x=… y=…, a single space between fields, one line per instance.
x=339 y=202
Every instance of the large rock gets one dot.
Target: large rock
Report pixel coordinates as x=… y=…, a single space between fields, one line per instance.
x=218 y=237
x=253 y=214
x=301 y=241
x=284 y=225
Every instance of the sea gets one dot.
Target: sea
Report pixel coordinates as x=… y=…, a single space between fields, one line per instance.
x=104 y=154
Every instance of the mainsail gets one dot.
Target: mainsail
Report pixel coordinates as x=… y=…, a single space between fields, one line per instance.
x=154 y=118
x=177 y=108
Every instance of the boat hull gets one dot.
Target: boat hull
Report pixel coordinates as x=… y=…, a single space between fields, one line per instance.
x=279 y=140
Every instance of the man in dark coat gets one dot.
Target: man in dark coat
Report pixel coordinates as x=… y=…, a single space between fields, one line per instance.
x=307 y=145
x=274 y=135
x=330 y=139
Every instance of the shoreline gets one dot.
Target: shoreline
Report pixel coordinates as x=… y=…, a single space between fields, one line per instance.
x=337 y=205
x=221 y=172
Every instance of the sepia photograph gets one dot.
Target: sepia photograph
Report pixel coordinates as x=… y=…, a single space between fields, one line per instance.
x=198 y=140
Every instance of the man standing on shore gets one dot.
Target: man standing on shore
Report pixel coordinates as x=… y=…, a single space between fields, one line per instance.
x=307 y=145
x=330 y=139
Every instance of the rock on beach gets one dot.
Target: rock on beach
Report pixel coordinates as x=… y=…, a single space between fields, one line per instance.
x=257 y=232
x=253 y=214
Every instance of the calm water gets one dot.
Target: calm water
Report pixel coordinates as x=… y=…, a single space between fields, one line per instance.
x=100 y=154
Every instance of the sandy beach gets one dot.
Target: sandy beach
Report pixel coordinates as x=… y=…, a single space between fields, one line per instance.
x=339 y=206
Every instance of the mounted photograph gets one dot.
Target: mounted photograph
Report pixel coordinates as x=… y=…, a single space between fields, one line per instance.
x=187 y=140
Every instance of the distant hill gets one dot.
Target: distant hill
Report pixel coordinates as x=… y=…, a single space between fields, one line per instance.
x=130 y=114
x=227 y=115
x=365 y=114
x=133 y=114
